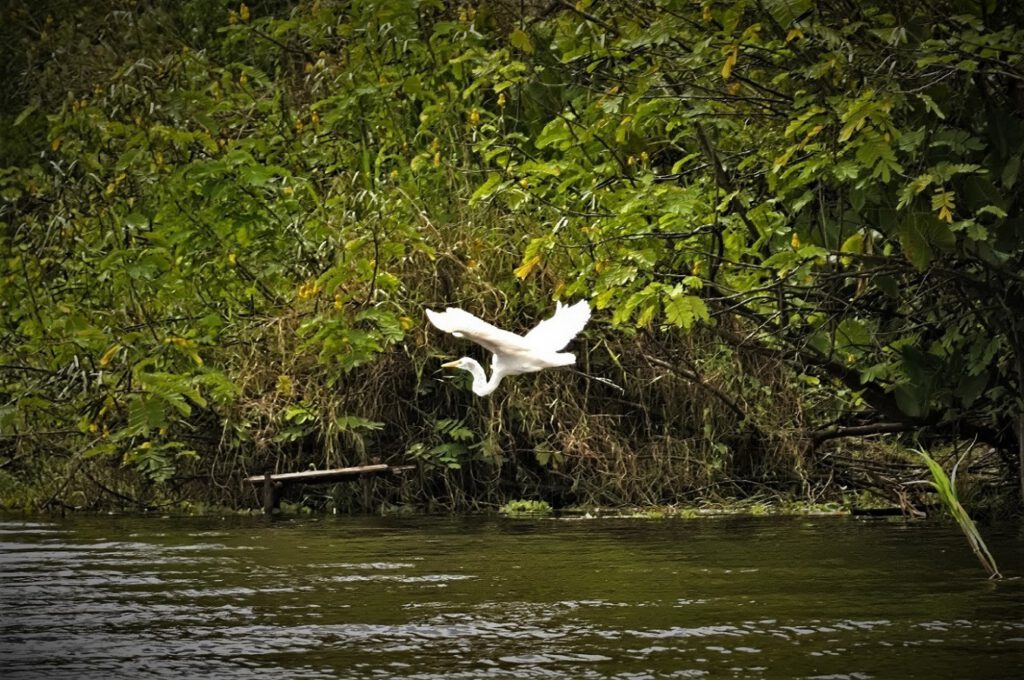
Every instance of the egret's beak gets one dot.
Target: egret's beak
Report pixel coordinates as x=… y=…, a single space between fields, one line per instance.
x=451 y=364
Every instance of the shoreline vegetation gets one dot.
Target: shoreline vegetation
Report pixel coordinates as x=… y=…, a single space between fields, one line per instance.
x=520 y=509
x=800 y=227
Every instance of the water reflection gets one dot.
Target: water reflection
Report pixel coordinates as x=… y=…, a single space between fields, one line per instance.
x=465 y=598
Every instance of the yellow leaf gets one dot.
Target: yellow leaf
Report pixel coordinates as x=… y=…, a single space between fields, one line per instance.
x=243 y=12
x=854 y=244
x=109 y=354
x=525 y=268
x=794 y=34
x=812 y=133
x=730 y=62
x=781 y=161
x=944 y=202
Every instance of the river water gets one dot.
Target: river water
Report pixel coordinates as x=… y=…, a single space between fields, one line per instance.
x=131 y=597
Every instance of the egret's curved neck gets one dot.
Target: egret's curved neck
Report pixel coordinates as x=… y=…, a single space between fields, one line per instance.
x=481 y=385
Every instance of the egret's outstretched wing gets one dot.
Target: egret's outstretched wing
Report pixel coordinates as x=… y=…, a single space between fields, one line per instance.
x=464 y=325
x=555 y=333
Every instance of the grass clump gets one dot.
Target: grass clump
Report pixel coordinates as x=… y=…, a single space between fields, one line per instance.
x=526 y=508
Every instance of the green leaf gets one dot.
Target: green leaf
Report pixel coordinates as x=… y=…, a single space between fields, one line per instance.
x=617 y=275
x=354 y=423
x=932 y=106
x=413 y=86
x=646 y=297
x=1010 y=172
x=25 y=113
x=852 y=336
x=521 y=40
x=785 y=12
x=971 y=387
x=554 y=133
x=298 y=414
x=921 y=235
x=145 y=414
x=912 y=400
x=487 y=189
x=101 y=449
x=684 y=311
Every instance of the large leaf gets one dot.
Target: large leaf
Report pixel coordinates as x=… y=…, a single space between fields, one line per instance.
x=145 y=414
x=686 y=310
x=922 y=236
x=785 y=12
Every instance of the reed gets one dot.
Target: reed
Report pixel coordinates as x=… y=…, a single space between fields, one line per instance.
x=945 y=486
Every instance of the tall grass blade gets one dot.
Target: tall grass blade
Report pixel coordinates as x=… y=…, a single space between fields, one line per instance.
x=947 y=494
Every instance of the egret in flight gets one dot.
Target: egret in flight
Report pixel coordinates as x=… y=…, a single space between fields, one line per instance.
x=513 y=354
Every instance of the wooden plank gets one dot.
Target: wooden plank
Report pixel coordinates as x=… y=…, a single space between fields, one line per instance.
x=314 y=475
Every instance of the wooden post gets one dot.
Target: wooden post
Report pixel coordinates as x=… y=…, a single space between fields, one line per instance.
x=268 y=494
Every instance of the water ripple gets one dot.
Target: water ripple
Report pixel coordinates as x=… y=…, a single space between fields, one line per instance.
x=181 y=599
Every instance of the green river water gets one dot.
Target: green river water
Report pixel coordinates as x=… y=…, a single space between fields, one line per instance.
x=326 y=597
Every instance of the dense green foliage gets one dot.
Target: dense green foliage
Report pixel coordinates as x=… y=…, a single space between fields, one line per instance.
x=220 y=224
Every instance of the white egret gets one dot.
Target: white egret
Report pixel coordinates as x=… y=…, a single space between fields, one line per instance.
x=513 y=354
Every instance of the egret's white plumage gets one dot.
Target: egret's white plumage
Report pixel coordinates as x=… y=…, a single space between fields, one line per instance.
x=513 y=354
